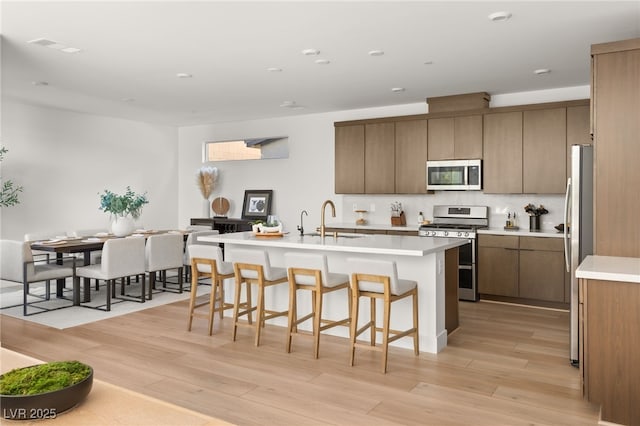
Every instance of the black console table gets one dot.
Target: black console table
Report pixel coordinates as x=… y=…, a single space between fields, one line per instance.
x=223 y=225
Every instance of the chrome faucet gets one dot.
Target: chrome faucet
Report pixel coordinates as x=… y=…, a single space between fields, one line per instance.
x=333 y=213
x=301 y=227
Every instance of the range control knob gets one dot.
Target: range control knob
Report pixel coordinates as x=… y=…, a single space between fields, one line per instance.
x=446 y=233
x=459 y=234
x=466 y=234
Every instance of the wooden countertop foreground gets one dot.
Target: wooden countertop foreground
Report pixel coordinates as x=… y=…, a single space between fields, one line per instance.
x=111 y=405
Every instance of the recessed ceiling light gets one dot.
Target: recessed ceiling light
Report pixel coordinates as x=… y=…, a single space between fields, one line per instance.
x=310 y=52
x=499 y=16
x=397 y=89
x=127 y=100
x=322 y=61
x=183 y=75
x=541 y=71
x=44 y=42
x=39 y=83
x=428 y=62
x=274 y=69
x=376 y=53
x=291 y=105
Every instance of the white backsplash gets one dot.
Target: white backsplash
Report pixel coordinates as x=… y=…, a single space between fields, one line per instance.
x=499 y=205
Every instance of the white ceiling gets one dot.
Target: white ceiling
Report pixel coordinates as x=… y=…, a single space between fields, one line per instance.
x=132 y=51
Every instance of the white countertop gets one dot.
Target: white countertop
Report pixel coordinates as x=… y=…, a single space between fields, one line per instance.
x=522 y=232
x=610 y=268
x=398 y=245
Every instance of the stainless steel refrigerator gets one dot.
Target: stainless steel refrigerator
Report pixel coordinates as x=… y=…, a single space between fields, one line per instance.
x=578 y=229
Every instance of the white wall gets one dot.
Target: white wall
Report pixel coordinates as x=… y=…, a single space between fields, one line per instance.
x=65 y=159
x=306 y=178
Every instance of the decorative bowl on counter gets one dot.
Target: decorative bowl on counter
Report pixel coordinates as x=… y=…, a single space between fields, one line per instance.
x=560 y=228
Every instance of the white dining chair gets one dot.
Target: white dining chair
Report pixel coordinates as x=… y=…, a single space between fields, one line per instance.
x=95 y=256
x=17 y=264
x=164 y=252
x=40 y=236
x=121 y=257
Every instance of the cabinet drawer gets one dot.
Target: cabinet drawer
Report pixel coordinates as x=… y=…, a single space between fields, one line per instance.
x=541 y=243
x=500 y=241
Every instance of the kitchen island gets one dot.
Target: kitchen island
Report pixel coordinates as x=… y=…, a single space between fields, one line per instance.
x=424 y=260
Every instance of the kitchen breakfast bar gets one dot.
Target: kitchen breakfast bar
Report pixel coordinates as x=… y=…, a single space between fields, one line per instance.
x=431 y=262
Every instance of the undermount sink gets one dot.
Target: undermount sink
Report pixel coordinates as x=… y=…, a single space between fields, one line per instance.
x=330 y=235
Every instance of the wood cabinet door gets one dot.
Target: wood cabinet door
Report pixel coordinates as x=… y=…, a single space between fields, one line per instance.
x=498 y=271
x=349 y=159
x=411 y=157
x=379 y=158
x=578 y=132
x=468 y=137
x=544 y=151
x=502 y=153
x=616 y=85
x=455 y=138
x=441 y=139
x=541 y=275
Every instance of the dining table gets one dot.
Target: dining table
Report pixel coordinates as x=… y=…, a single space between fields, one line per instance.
x=64 y=245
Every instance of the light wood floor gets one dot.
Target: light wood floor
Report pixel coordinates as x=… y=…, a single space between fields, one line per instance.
x=506 y=365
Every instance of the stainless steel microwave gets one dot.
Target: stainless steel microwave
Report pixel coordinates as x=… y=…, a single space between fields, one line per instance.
x=458 y=175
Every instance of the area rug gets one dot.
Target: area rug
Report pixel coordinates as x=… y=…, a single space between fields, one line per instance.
x=71 y=316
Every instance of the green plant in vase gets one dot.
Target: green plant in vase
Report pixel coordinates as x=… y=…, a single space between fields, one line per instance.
x=123 y=209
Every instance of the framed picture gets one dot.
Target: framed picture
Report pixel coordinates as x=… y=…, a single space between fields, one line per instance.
x=257 y=204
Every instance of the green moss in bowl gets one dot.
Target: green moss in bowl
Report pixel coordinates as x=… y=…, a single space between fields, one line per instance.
x=43 y=378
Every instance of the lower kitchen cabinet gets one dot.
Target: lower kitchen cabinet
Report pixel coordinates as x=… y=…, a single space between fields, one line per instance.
x=542 y=271
x=498 y=265
x=609 y=345
x=526 y=270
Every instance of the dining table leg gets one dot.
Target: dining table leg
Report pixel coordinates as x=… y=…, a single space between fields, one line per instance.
x=59 y=283
x=87 y=281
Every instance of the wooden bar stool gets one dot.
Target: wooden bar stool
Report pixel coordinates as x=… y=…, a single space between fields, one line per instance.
x=253 y=267
x=206 y=261
x=311 y=272
x=380 y=281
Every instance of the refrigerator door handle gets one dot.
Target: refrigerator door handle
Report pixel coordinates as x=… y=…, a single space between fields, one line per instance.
x=567 y=199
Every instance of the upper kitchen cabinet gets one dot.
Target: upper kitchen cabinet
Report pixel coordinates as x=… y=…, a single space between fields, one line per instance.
x=379 y=158
x=525 y=148
x=411 y=156
x=616 y=131
x=544 y=151
x=578 y=129
x=349 y=159
x=455 y=138
x=502 y=169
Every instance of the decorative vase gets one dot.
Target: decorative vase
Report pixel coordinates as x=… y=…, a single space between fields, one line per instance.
x=122 y=226
x=534 y=223
x=206 y=208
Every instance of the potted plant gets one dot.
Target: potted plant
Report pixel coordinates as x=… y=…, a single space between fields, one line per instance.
x=256 y=225
x=534 y=215
x=123 y=209
x=8 y=192
x=45 y=390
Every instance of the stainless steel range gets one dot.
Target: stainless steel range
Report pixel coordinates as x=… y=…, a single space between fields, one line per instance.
x=460 y=222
